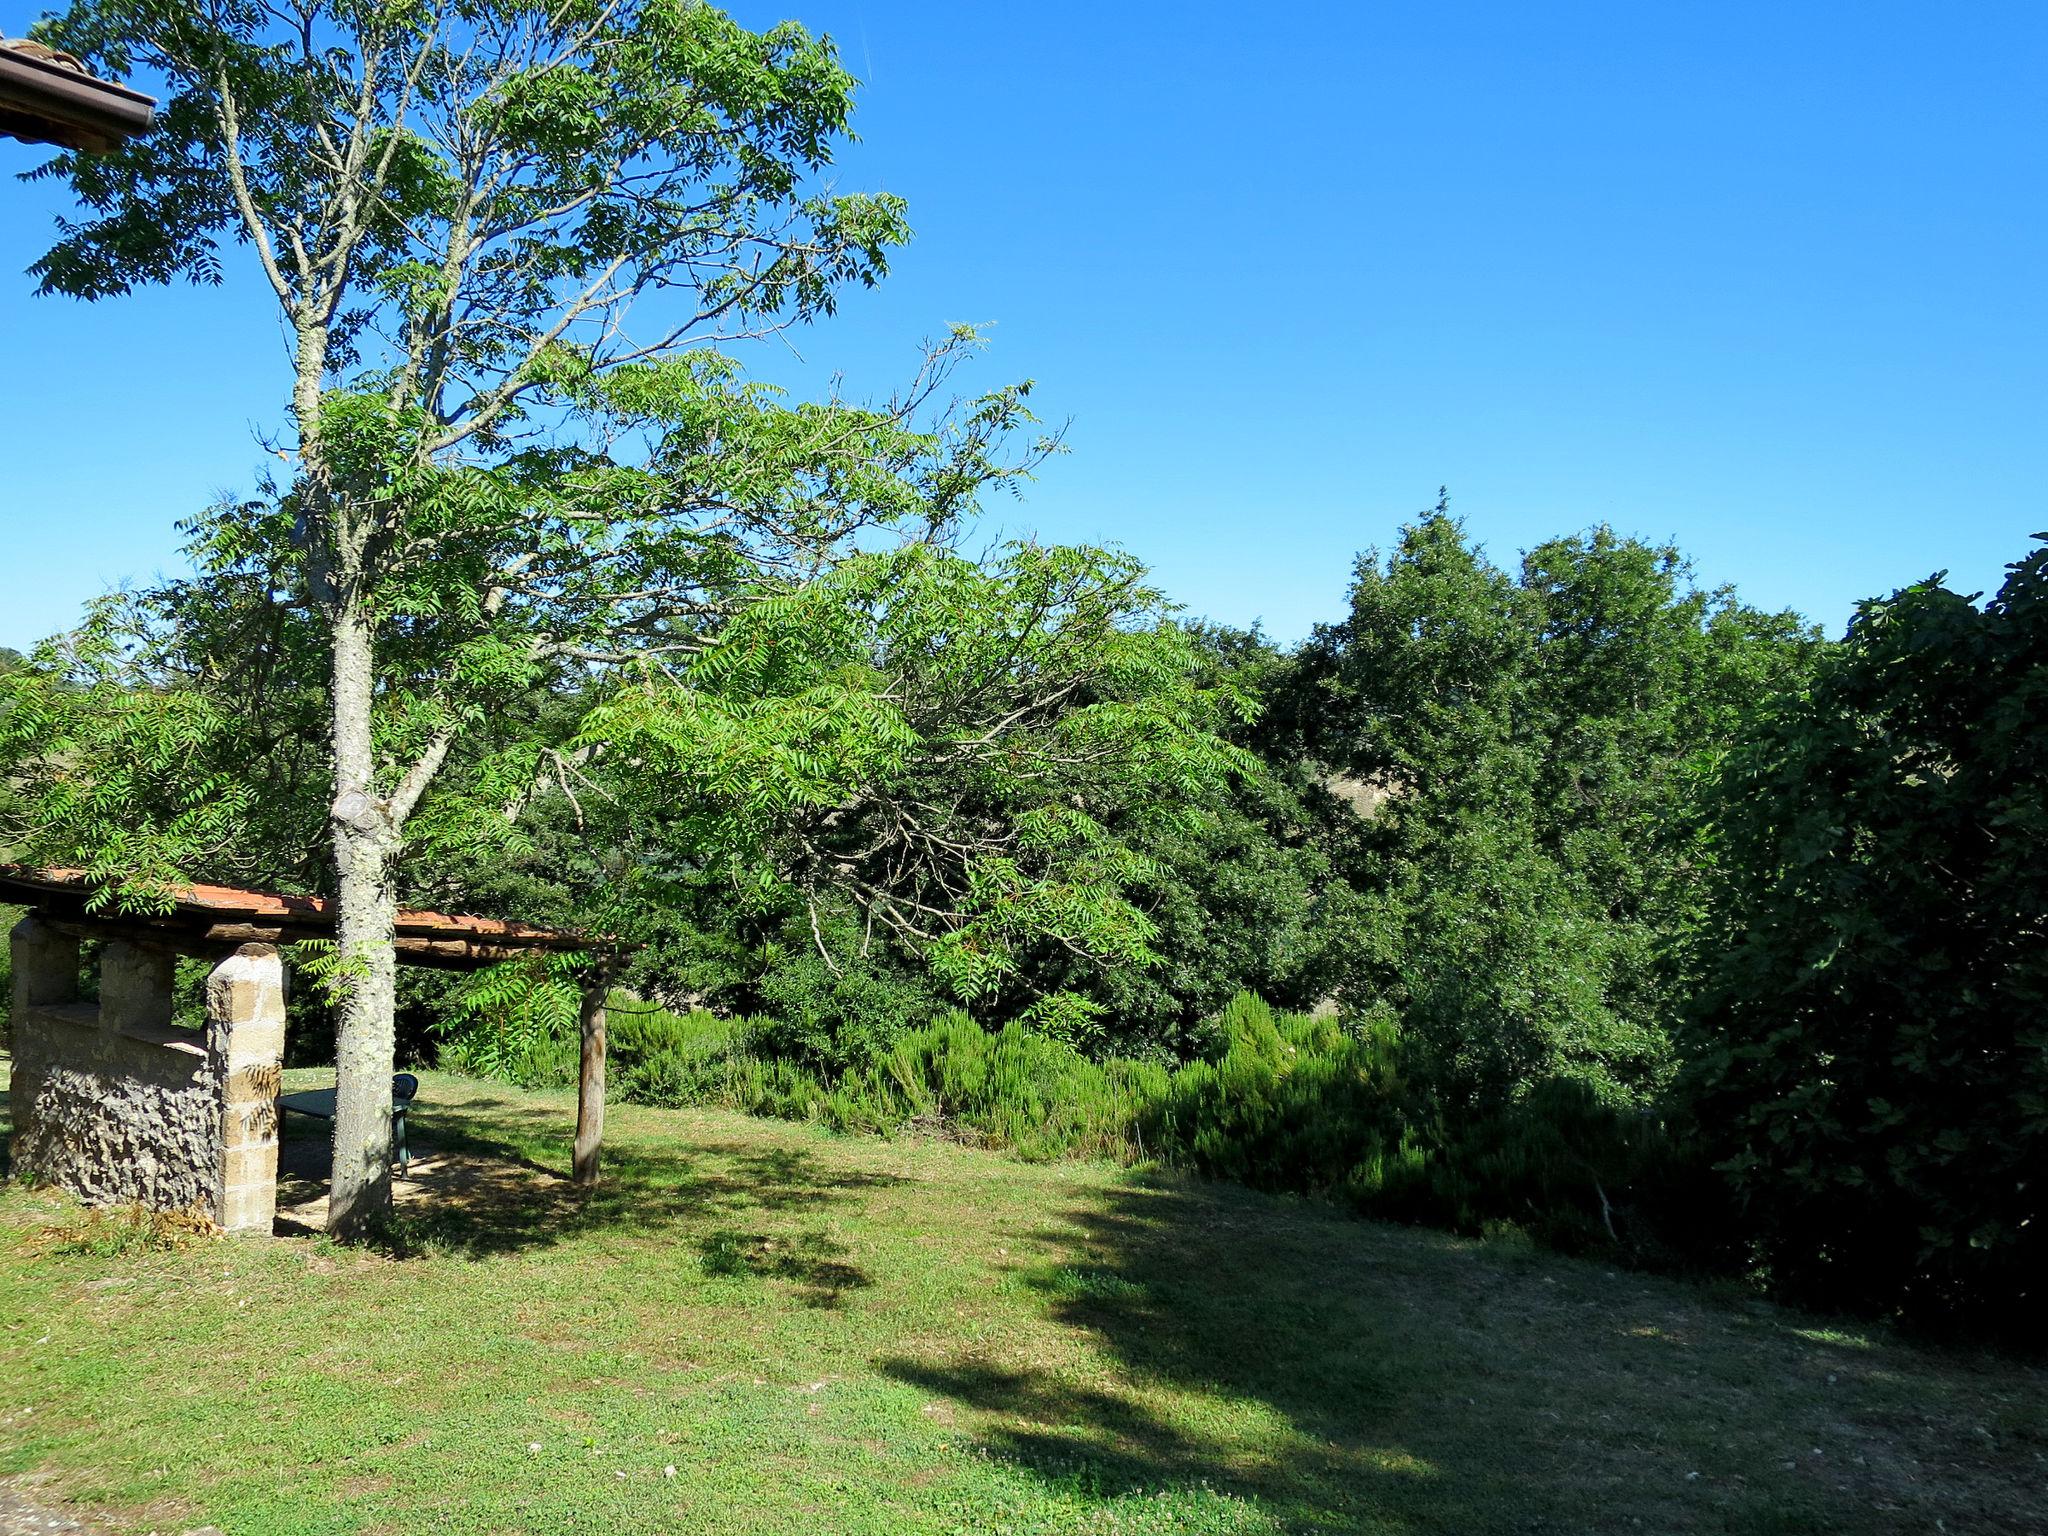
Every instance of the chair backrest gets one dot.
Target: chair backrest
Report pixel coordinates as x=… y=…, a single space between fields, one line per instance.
x=403 y=1086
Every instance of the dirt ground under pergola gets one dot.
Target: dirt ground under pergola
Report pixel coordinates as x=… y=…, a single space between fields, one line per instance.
x=443 y=1183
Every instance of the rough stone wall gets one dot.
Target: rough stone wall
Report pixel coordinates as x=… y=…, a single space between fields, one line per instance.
x=117 y=1106
x=112 y=1117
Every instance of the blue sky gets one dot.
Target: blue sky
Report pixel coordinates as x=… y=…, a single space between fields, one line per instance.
x=1764 y=280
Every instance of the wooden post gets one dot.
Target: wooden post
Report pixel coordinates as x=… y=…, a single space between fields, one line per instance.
x=590 y=1086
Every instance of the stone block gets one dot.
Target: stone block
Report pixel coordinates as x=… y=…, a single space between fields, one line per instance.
x=254 y=1163
x=255 y=1043
x=243 y=1125
x=45 y=970
x=245 y=996
x=255 y=1083
x=249 y=1208
x=135 y=986
x=115 y=1106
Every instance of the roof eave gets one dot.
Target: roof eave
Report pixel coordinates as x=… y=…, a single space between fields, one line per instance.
x=45 y=103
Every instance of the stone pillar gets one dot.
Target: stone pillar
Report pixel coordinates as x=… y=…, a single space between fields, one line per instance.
x=245 y=1038
x=45 y=975
x=45 y=965
x=135 y=986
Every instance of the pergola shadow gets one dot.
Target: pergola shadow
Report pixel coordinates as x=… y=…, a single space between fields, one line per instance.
x=487 y=1178
x=446 y=1185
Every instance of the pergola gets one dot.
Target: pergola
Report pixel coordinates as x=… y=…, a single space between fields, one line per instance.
x=233 y=927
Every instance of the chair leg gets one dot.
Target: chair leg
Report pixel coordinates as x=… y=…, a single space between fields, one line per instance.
x=398 y=1135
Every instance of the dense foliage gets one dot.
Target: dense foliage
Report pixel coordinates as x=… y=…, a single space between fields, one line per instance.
x=1873 y=1049
x=1537 y=742
x=1633 y=918
x=944 y=747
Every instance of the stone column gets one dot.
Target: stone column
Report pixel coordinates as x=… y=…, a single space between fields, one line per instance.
x=135 y=986
x=45 y=974
x=245 y=1038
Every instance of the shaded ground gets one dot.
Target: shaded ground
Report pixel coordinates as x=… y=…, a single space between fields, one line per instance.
x=439 y=1182
x=759 y=1327
x=22 y=1515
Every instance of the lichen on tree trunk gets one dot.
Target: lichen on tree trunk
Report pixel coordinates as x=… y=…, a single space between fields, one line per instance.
x=365 y=845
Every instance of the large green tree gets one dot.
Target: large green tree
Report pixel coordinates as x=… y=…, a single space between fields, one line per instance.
x=503 y=239
x=1872 y=1052
x=1531 y=745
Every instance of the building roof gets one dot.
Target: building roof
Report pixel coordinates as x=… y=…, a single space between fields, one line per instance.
x=46 y=97
x=205 y=917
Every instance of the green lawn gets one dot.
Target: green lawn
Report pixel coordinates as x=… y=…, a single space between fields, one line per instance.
x=761 y=1327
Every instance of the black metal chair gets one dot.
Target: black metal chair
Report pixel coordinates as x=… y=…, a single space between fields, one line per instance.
x=404 y=1089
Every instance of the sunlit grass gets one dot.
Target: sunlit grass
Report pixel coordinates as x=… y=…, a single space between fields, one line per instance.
x=1839 y=1337
x=757 y=1326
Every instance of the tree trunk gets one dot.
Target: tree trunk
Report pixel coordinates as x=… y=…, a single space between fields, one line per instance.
x=365 y=1038
x=590 y=1089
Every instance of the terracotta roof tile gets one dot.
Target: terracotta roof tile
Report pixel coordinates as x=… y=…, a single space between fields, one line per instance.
x=226 y=901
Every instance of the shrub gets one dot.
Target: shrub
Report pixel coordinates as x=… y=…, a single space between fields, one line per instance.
x=838 y=1020
x=1573 y=1170
x=1293 y=1102
x=1283 y=1101
x=671 y=1060
x=1014 y=1088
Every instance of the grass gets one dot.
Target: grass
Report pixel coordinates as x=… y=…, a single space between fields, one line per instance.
x=756 y=1326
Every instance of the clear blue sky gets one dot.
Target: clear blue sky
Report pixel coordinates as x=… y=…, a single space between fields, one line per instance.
x=1767 y=280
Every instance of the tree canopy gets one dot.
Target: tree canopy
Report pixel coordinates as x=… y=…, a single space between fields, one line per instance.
x=1537 y=742
x=1872 y=1047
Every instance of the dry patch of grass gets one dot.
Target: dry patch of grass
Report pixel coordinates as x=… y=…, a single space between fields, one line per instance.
x=759 y=1327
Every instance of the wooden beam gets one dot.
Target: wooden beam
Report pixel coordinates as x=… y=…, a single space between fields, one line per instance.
x=590 y=1086
x=210 y=919
x=171 y=935
x=197 y=936
x=44 y=102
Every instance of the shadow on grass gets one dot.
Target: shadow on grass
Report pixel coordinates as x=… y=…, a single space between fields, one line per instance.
x=1203 y=1317
x=814 y=1261
x=501 y=1188
x=1353 y=1377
